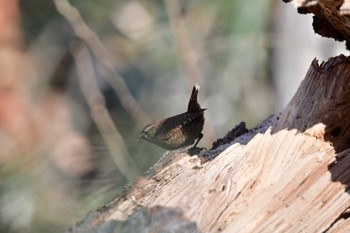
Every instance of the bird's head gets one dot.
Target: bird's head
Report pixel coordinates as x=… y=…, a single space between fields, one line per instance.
x=149 y=132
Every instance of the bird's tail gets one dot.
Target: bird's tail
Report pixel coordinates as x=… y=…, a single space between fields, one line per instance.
x=193 y=105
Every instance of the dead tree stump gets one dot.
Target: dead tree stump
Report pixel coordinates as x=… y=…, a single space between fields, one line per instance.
x=290 y=174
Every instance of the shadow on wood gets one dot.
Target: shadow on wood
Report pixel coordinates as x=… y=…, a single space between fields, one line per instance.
x=282 y=176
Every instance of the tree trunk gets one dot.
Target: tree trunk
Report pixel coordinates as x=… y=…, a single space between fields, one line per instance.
x=289 y=174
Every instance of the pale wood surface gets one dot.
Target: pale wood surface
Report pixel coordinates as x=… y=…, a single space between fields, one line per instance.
x=286 y=179
x=331 y=17
x=290 y=174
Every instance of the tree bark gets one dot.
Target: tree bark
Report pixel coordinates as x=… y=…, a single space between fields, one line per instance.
x=289 y=174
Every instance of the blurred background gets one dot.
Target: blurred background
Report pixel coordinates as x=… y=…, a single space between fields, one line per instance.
x=80 y=79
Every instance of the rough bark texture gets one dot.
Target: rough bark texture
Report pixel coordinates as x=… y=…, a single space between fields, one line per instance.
x=290 y=174
x=331 y=16
x=286 y=179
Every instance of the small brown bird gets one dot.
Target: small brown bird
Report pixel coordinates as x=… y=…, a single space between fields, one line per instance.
x=178 y=131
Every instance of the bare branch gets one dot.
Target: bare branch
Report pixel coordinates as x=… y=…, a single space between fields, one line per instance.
x=106 y=69
x=100 y=115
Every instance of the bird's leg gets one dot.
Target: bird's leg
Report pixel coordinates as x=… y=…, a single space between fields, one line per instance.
x=199 y=138
x=194 y=149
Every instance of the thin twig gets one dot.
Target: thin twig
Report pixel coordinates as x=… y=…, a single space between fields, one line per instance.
x=100 y=115
x=82 y=30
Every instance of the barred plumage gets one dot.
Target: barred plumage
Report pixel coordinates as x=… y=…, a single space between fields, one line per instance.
x=178 y=131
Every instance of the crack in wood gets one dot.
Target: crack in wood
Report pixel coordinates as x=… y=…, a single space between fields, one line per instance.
x=343 y=215
x=218 y=217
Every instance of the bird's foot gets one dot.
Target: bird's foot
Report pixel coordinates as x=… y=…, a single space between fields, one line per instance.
x=195 y=150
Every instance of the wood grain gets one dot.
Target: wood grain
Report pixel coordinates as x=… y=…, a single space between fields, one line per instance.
x=291 y=178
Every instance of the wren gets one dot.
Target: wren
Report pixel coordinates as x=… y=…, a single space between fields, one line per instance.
x=178 y=131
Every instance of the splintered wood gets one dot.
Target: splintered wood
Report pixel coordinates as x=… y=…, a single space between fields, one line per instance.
x=330 y=16
x=291 y=178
